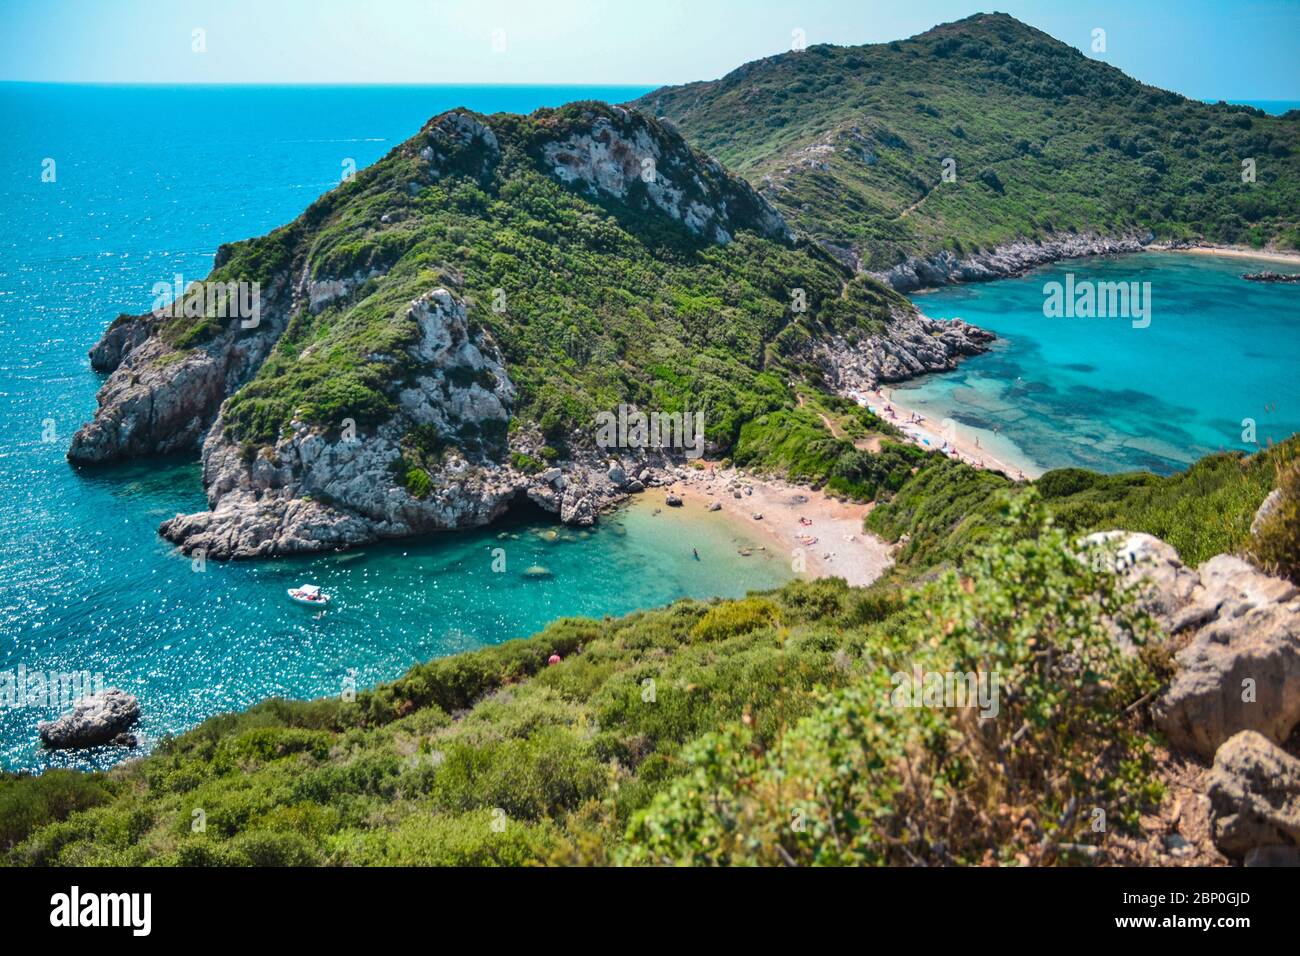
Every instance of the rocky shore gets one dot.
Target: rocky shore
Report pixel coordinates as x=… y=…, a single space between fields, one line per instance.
x=913 y=345
x=103 y=718
x=314 y=491
x=1012 y=259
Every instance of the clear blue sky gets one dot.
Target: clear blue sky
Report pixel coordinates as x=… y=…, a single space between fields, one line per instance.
x=1234 y=49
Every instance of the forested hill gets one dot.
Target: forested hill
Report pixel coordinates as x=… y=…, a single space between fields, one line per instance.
x=850 y=143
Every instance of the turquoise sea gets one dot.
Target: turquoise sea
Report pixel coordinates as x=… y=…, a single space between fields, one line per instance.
x=1098 y=392
x=148 y=182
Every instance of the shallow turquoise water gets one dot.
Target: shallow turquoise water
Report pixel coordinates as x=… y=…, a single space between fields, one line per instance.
x=1099 y=393
x=149 y=182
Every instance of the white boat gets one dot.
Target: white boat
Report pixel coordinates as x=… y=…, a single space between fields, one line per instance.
x=309 y=594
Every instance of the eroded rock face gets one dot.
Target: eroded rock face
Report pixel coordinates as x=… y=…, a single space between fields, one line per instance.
x=1012 y=259
x=317 y=491
x=160 y=400
x=912 y=345
x=1254 y=790
x=95 y=719
x=615 y=159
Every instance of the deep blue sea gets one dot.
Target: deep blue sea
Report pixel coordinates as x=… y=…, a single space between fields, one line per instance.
x=1101 y=393
x=148 y=181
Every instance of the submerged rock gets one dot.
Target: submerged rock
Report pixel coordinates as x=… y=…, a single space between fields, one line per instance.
x=1271 y=277
x=95 y=719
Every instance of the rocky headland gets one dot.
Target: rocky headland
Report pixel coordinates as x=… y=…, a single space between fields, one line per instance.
x=452 y=447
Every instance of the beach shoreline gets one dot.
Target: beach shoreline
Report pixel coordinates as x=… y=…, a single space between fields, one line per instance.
x=832 y=542
x=959 y=442
x=1235 y=252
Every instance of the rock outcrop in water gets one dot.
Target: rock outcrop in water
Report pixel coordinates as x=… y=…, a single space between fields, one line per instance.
x=1270 y=277
x=315 y=491
x=95 y=719
x=915 y=345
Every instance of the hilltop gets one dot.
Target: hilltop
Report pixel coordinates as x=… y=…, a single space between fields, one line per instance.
x=1053 y=153
x=436 y=337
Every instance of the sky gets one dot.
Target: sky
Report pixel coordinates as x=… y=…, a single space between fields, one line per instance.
x=1208 y=49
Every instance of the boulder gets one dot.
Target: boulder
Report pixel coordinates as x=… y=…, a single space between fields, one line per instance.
x=672 y=501
x=616 y=475
x=1254 y=790
x=95 y=719
x=1241 y=670
x=1164 y=584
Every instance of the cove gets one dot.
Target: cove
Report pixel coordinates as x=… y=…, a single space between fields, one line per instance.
x=1214 y=368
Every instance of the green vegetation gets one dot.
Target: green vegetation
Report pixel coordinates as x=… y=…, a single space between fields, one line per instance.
x=692 y=733
x=766 y=730
x=1046 y=141
x=946 y=509
x=594 y=301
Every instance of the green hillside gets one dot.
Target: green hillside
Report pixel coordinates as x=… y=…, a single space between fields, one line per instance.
x=594 y=298
x=849 y=142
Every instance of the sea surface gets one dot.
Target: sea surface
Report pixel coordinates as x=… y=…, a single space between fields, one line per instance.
x=148 y=181
x=1101 y=393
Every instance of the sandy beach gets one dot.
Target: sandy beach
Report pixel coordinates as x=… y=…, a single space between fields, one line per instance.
x=828 y=541
x=1239 y=252
x=959 y=442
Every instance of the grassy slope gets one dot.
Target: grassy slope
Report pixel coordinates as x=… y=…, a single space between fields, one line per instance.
x=946 y=508
x=1045 y=140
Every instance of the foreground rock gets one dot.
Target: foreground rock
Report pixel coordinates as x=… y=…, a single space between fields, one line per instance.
x=96 y=719
x=1013 y=259
x=1254 y=790
x=1240 y=666
x=1241 y=670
